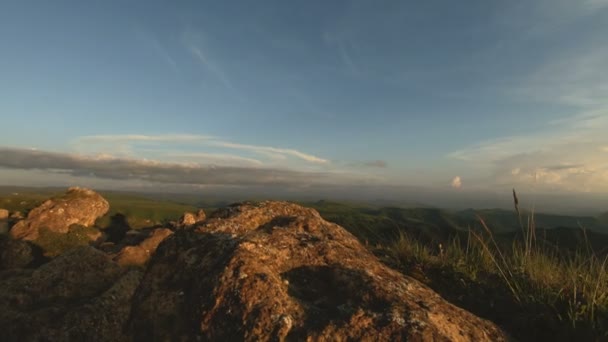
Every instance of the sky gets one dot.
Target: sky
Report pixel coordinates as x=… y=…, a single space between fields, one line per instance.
x=438 y=96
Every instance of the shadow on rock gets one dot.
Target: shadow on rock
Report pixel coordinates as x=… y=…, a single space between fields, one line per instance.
x=178 y=285
x=330 y=295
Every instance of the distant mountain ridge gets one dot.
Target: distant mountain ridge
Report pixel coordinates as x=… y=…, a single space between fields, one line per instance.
x=382 y=224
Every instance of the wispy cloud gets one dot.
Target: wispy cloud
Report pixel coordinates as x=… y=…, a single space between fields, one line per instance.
x=122 y=138
x=382 y=164
x=572 y=79
x=344 y=47
x=566 y=154
x=211 y=66
x=267 y=149
x=594 y=5
x=105 y=167
x=565 y=157
x=153 y=42
x=216 y=158
x=197 y=142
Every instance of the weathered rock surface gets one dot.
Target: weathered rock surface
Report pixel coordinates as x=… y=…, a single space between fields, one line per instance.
x=17 y=253
x=275 y=271
x=4 y=214
x=186 y=220
x=79 y=296
x=200 y=216
x=138 y=255
x=189 y=219
x=78 y=206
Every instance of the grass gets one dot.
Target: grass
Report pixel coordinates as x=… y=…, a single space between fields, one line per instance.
x=544 y=293
x=54 y=244
x=142 y=212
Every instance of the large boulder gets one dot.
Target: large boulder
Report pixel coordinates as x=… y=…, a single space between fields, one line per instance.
x=78 y=206
x=276 y=271
x=138 y=255
x=79 y=296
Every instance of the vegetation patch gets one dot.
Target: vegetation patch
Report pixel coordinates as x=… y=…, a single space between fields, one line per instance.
x=548 y=283
x=54 y=244
x=142 y=212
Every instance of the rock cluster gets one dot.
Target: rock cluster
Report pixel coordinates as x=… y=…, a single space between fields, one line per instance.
x=79 y=296
x=78 y=206
x=269 y=271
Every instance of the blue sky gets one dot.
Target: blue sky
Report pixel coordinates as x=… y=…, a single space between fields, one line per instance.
x=478 y=96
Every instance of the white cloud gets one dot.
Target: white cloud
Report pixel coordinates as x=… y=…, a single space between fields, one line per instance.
x=568 y=156
x=267 y=149
x=456 y=182
x=155 y=171
x=129 y=145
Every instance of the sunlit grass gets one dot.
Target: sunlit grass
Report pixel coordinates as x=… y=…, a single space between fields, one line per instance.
x=571 y=287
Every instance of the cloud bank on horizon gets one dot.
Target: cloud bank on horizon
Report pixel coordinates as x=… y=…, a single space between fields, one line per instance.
x=313 y=94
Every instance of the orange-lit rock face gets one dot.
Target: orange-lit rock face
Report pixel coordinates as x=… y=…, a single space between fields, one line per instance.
x=78 y=206
x=276 y=270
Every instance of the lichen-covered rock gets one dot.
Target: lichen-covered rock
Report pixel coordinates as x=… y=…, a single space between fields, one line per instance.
x=277 y=271
x=17 y=253
x=79 y=296
x=78 y=206
x=138 y=255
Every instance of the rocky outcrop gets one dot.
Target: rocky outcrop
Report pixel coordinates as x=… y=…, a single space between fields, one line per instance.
x=276 y=271
x=4 y=214
x=138 y=255
x=186 y=220
x=200 y=216
x=79 y=296
x=189 y=219
x=78 y=206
